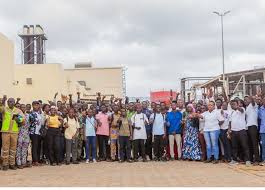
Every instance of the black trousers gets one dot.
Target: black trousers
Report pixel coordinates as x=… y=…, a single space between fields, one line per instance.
x=45 y=149
x=62 y=148
x=125 y=147
x=35 y=147
x=158 y=146
x=102 y=144
x=240 y=139
x=227 y=144
x=148 y=146
x=253 y=142
x=53 y=140
x=138 y=144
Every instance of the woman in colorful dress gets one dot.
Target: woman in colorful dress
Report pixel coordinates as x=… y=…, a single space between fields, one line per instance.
x=23 y=141
x=191 y=146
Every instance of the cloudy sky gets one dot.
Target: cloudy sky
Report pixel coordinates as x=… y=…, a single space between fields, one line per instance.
x=159 y=41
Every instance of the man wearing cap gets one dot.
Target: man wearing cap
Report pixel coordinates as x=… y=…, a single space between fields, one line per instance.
x=12 y=118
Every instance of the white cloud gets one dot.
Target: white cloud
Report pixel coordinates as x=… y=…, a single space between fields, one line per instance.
x=159 y=41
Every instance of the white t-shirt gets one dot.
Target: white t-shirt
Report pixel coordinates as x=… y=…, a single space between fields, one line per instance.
x=158 y=123
x=252 y=115
x=139 y=121
x=238 y=120
x=226 y=116
x=212 y=120
x=72 y=129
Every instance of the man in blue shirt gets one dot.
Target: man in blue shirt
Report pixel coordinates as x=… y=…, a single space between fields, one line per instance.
x=261 y=115
x=173 y=120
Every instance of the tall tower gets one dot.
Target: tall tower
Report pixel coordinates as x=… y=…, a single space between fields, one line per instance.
x=32 y=44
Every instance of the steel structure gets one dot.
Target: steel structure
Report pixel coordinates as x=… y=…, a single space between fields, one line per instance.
x=188 y=86
x=241 y=83
x=33 y=45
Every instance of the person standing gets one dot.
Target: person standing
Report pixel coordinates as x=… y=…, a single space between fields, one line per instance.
x=103 y=133
x=35 y=122
x=23 y=141
x=149 y=140
x=213 y=119
x=252 y=128
x=71 y=126
x=157 y=119
x=203 y=109
x=125 y=135
x=114 y=133
x=53 y=123
x=261 y=115
x=139 y=121
x=191 y=146
x=174 y=121
x=237 y=132
x=223 y=133
x=12 y=119
x=90 y=134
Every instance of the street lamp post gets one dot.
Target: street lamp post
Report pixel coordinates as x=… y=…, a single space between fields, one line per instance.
x=223 y=61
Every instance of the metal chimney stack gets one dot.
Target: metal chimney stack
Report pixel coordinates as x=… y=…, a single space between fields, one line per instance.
x=33 y=44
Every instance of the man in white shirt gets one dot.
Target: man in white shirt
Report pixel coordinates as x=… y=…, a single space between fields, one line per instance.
x=252 y=128
x=139 y=120
x=237 y=132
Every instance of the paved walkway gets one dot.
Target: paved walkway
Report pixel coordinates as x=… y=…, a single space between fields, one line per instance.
x=176 y=173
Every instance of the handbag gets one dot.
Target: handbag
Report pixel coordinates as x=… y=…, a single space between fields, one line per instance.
x=44 y=129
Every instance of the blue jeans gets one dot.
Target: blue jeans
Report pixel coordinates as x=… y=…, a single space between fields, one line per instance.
x=211 y=139
x=91 y=141
x=262 y=143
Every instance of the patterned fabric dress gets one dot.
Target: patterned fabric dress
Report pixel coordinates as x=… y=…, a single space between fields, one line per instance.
x=114 y=136
x=23 y=143
x=191 y=145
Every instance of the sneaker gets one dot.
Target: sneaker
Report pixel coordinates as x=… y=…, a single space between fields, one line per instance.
x=5 y=168
x=172 y=159
x=248 y=163
x=87 y=161
x=12 y=167
x=75 y=162
x=20 y=167
x=262 y=163
x=148 y=158
x=233 y=162
x=129 y=161
x=94 y=161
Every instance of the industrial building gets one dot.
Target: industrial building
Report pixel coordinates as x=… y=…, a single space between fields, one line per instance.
x=240 y=84
x=34 y=79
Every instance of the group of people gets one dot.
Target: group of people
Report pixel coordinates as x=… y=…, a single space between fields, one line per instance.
x=211 y=130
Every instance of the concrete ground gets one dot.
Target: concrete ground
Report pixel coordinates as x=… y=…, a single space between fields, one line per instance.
x=174 y=173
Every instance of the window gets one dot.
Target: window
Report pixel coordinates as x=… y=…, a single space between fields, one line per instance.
x=29 y=81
